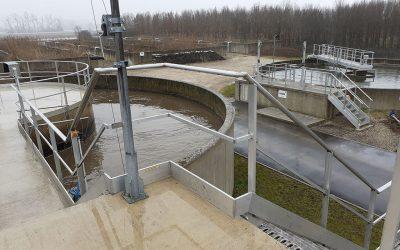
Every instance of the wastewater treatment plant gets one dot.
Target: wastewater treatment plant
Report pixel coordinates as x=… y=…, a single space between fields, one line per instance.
x=246 y=127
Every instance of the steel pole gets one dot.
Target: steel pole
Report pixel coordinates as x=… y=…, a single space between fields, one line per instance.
x=258 y=56
x=134 y=189
x=252 y=143
x=393 y=212
x=273 y=52
x=78 y=157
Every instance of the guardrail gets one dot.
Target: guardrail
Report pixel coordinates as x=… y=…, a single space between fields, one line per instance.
x=344 y=53
x=30 y=122
x=48 y=71
x=254 y=87
x=329 y=80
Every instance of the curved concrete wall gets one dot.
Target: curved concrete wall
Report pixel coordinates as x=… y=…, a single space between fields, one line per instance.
x=213 y=162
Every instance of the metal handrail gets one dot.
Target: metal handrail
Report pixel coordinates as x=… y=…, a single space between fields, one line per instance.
x=356 y=86
x=345 y=53
x=349 y=90
x=262 y=90
x=250 y=137
x=41 y=115
x=60 y=74
x=330 y=73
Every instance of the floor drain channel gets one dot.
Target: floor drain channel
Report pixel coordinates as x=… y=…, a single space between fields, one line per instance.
x=289 y=240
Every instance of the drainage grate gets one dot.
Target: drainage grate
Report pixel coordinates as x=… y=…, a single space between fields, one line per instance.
x=289 y=240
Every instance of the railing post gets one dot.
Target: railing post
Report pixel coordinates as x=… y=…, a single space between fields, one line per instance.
x=78 y=156
x=327 y=188
x=393 y=212
x=64 y=91
x=55 y=152
x=77 y=74
x=15 y=74
x=29 y=71
x=57 y=72
x=370 y=218
x=252 y=143
x=36 y=127
x=285 y=73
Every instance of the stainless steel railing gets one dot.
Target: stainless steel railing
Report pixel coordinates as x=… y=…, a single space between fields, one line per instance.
x=30 y=122
x=328 y=80
x=343 y=53
x=254 y=88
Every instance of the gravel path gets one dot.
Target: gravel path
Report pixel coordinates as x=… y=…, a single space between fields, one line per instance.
x=384 y=132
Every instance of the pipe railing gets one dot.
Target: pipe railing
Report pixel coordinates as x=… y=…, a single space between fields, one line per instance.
x=257 y=87
x=78 y=69
x=31 y=124
x=344 y=53
x=254 y=87
x=328 y=79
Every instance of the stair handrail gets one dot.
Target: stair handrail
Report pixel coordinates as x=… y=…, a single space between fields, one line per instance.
x=356 y=86
x=349 y=91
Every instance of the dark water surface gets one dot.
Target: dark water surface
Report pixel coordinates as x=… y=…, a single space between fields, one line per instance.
x=156 y=141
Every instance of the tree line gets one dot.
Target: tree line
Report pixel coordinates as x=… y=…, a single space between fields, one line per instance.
x=30 y=23
x=371 y=24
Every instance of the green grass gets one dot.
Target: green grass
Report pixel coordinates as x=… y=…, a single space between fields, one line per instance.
x=304 y=201
x=228 y=91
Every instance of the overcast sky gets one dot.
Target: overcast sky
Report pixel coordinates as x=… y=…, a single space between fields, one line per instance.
x=79 y=11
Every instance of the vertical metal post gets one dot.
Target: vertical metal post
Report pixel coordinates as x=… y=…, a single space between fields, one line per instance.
x=15 y=73
x=273 y=52
x=64 y=91
x=77 y=74
x=36 y=127
x=134 y=189
x=304 y=52
x=393 y=212
x=55 y=151
x=57 y=73
x=252 y=143
x=29 y=71
x=327 y=188
x=370 y=218
x=285 y=73
x=78 y=156
x=101 y=46
x=258 y=56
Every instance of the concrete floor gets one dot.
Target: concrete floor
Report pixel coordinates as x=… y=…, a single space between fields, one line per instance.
x=25 y=188
x=171 y=218
x=287 y=145
x=277 y=114
x=236 y=62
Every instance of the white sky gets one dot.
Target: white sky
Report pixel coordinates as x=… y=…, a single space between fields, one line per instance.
x=79 y=11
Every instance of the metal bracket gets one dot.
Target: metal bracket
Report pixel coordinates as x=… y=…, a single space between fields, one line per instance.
x=120 y=64
x=111 y=25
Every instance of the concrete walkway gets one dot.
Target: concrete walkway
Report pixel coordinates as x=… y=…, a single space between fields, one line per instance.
x=25 y=188
x=235 y=62
x=172 y=217
x=287 y=145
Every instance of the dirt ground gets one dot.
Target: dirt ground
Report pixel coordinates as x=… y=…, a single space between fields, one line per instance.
x=384 y=132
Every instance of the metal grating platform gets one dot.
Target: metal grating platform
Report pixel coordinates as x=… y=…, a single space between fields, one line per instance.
x=289 y=240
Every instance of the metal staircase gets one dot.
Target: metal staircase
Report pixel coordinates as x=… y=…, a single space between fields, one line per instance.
x=349 y=109
x=344 y=97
